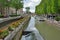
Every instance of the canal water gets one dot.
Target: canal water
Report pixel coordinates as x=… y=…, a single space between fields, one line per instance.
x=34 y=35
x=29 y=36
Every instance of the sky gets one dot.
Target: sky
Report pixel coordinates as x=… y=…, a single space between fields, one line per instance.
x=30 y=3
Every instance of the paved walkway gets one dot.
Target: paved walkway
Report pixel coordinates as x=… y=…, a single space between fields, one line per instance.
x=9 y=18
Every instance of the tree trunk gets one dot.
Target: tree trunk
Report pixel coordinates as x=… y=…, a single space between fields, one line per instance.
x=16 y=11
x=8 y=12
x=1 y=10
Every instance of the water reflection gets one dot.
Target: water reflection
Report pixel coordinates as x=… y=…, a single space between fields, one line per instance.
x=29 y=36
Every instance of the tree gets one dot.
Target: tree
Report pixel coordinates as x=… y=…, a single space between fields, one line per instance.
x=16 y=4
x=48 y=7
x=4 y=6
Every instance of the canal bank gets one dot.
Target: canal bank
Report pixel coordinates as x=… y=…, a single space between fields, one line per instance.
x=48 y=31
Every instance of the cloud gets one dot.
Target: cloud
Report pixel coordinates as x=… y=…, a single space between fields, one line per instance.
x=32 y=9
x=31 y=3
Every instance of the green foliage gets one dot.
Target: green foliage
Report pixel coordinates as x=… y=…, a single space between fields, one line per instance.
x=16 y=4
x=10 y=29
x=4 y=3
x=1 y=16
x=13 y=3
x=57 y=18
x=48 y=7
x=3 y=34
x=14 y=15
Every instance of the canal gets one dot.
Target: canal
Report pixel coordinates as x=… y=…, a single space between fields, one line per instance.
x=31 y=33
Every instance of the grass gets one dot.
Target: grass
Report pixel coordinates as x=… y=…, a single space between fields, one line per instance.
x=49 y=32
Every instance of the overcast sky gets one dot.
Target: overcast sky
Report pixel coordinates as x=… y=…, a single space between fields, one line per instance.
x=31 y=4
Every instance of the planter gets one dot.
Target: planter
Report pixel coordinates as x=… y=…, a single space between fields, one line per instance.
x=3 y=34
x=13 y=28
x=14 y=15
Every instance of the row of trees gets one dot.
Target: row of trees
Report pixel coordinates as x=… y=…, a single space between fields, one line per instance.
x=6 y=4
x=48 y=7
